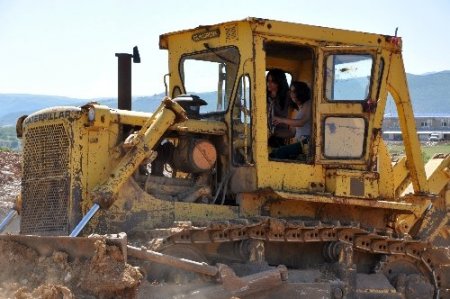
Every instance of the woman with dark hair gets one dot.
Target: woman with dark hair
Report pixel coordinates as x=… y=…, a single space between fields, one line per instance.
x=301 y=96
x=278 y=106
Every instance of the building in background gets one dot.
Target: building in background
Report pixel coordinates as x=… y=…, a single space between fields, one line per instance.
x=429 y=127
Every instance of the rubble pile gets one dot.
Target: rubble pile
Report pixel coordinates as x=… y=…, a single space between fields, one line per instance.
x=25 y=274
x=9 y=180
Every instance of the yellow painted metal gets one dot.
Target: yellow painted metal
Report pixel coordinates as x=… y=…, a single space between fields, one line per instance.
x=133 y=118
x=401 y=176
x=438 y=172
x=296 y=176
x=282 y=175
x=200 y=126
x=386 y=171
x=141 y=146
x=198 y=212
x=400 y=206
x=278 y=28
x=353 y=183
x=383 y=64
x=287 y=204
x=276 y=175
x=399 y=89
x=350 y=109
x=135 y=210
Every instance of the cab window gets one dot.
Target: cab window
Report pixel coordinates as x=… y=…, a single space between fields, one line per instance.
x=344 y=137
x=212 y=73
x=348 y=77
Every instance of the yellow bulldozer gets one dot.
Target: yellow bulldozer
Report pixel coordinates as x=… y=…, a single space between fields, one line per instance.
x=200 y=197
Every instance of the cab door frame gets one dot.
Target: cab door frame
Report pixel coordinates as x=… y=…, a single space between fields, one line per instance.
x=345 y=112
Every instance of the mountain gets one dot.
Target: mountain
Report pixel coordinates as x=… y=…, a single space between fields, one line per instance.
x=430 y=95
x=15 y=105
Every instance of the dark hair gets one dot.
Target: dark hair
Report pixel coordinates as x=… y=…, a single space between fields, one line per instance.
x=279 y=77
x=302 y=91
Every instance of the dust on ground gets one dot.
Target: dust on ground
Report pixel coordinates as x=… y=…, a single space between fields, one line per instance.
x=27 y=275
x=9 y=180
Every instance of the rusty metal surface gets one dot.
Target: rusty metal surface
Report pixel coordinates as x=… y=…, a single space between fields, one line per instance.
x=81 y=247
x=318 y=290
x=201 y=126
x=233 y=286
x=358 y=238
x=247 y=285
x=180 y=263
x=374 y=283
x=401 y=206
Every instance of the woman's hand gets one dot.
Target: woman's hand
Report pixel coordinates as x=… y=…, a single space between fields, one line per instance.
x=277 y=120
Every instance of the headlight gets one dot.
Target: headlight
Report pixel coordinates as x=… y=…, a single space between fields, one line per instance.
x=91 y=114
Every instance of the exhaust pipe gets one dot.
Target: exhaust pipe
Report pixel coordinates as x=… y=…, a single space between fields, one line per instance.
x=124 y=78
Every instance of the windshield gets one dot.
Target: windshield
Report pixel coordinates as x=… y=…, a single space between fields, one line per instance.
x=210 y=74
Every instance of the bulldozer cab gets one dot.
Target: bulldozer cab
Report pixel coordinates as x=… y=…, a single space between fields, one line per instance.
x=347 y=73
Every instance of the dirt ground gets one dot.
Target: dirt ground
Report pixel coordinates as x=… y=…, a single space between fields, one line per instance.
x=25 y=275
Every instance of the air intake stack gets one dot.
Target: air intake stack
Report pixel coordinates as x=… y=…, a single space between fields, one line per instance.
x=124 y=77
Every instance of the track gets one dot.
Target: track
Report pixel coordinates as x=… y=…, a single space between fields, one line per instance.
x=431 y=263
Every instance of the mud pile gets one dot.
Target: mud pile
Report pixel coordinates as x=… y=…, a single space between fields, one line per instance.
x=9 y=180
x=24 y=274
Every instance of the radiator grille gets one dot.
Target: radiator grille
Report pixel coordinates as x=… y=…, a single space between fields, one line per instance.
x=45 y=181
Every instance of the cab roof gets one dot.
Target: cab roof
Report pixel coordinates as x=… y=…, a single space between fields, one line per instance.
x=282 y=28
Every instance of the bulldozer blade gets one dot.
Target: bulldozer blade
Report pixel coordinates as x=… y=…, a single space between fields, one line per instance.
x=76 y=248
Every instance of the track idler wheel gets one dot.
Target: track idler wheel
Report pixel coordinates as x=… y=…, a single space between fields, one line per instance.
x=408 y=276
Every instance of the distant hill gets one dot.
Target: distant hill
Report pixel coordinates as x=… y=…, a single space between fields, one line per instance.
x=430 y=94
x=15 y=105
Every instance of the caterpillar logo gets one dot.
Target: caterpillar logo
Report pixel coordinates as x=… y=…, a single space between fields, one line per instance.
x=50 y=116
x=196 y=37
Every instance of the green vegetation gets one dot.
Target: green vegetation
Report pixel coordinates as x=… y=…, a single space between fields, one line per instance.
x=8 y=139
x=431 y=150
x=428 y=150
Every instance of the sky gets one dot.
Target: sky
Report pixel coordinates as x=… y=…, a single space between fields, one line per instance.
x=67 y=48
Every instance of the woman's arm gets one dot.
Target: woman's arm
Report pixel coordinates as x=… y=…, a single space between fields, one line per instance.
x=296 y=122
